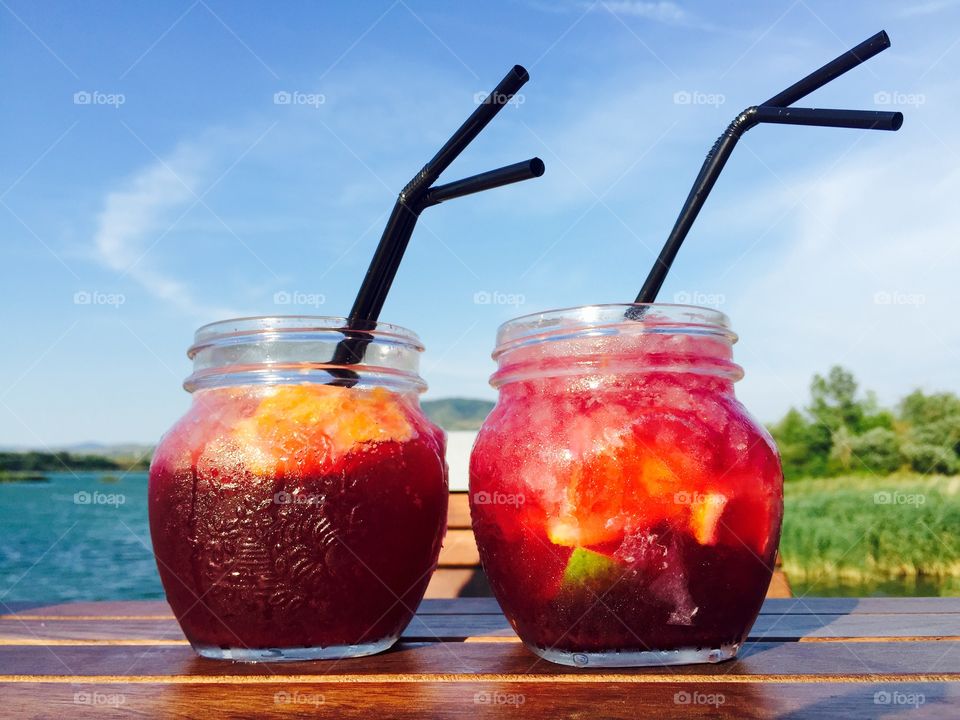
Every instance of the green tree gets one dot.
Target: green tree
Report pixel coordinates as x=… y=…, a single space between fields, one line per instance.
x=932 y=419
x=876 y=451
x=833 y=401
x=932 y=429
x=844 y=431
x=802 y=450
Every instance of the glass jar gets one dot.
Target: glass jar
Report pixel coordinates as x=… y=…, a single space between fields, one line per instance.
x=626 y=506
x=298 y=508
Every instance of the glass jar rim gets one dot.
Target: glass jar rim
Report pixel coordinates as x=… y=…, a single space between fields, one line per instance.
x=657 y=317
x=235 y=329
x=284 y=349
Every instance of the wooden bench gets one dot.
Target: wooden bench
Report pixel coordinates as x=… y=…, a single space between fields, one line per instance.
x=459 y=573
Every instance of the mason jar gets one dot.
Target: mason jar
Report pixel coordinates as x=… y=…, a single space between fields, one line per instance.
x=626 y=506
x=298 y=508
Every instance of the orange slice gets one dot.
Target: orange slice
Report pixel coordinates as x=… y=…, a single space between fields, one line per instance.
x=308 y=427
x=705 y=517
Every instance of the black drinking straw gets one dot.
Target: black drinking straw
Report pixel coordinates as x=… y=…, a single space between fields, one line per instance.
x=832 y=70
x=775 y=110
x=822 y=117
x=525 y=170
x=413 y=199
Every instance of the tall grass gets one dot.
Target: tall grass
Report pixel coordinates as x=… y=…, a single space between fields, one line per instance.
x=863 y=528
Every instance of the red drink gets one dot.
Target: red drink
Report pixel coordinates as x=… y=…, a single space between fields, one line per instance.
x=296 y=521
x=626 y=506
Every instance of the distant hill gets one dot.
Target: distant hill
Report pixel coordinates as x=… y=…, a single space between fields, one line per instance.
x=458 y=413
x=123 y=451
x=36 y=462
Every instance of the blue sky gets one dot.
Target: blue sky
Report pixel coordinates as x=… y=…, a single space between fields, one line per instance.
x=183 y=193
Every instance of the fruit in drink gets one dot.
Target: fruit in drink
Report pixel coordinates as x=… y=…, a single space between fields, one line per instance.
x=651 y=505
x=297 y=515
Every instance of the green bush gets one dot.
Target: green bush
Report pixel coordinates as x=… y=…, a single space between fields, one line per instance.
x=876 y=451
x=842 y=432
x=928 y=458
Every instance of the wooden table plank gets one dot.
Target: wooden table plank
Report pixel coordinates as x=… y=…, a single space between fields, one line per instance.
x=430 y=627
x=448 y=582
x=768 y=627
x=507 y=662
x=810 y=657
x=861 y=606
x=484 y=699
x=458 y=511
x=462 y=606
x=459 y=550
x=155 y=609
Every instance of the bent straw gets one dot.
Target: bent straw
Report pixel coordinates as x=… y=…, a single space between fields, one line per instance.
x=772 y=112
x=369 y=303
x=525 y=170
x=832 y=70
x=822 y=117
x=413 y=199
x=393 y=243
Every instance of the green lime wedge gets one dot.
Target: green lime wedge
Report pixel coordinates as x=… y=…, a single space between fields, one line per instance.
x=586 y=567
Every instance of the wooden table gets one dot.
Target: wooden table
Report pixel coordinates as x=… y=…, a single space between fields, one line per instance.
x=807 y=657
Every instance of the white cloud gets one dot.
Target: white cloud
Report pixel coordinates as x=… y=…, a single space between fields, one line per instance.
x=136 y=217
x=665 y=12
x=934 y=7
x=662 y=12
x=867 y=280
x=658 y=11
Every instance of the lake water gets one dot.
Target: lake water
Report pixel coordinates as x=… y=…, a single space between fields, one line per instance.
x=85 y=536
x=80 y=536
